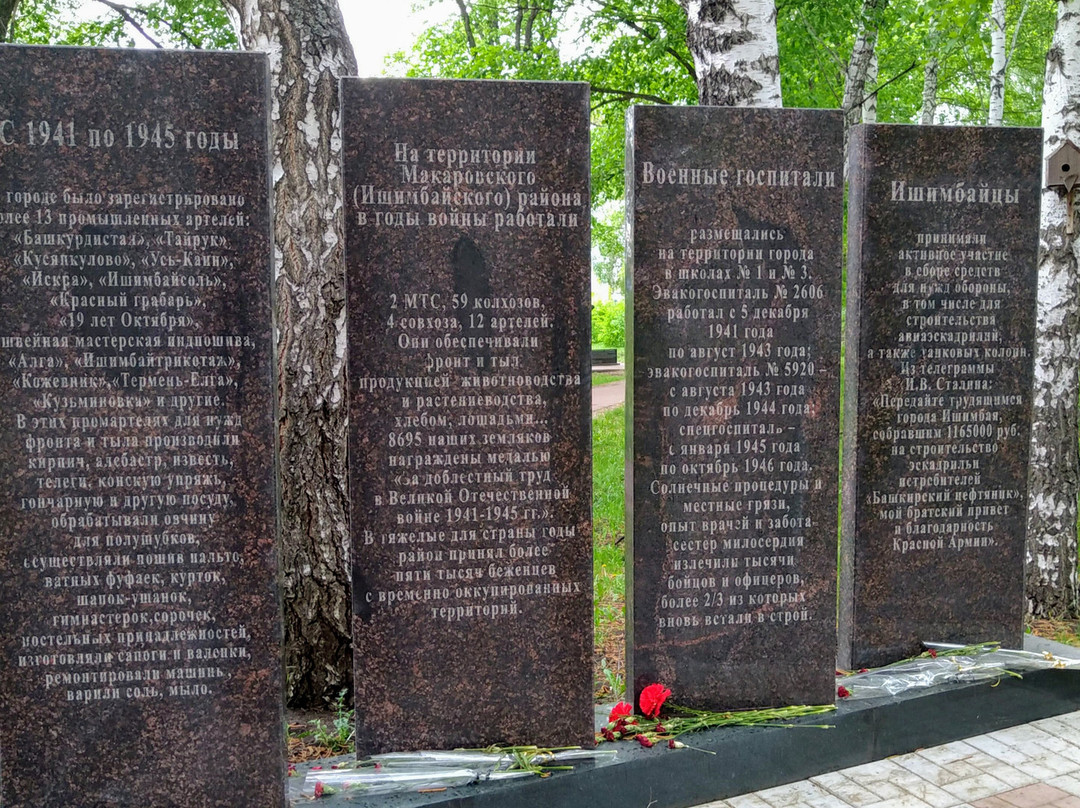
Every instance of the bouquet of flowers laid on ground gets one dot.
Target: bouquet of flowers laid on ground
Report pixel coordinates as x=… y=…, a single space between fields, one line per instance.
x=437 y=770
x=650 y=727
x=946 y=663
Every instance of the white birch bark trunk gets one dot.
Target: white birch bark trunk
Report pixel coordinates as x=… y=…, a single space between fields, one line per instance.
x=997 y=68
x=1051 y=583
x=929 y=92
x=308 y=50
x=862 y=54
x=869 y=107
x=735 y=51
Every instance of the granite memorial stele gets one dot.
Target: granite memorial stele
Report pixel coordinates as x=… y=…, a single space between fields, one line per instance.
x=139 y=602
x=942 y=244
x=732 y=422
x=467 y=251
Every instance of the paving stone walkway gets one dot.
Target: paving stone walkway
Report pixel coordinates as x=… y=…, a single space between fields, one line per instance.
x=606 y=396
x=1034 y=765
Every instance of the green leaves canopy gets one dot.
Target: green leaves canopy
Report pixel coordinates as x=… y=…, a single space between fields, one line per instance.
x=635 y=52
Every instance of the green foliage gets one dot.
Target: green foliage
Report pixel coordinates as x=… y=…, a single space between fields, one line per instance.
x=609 y=579
x=614 y=684
x=628 y=52
x=608 y=475
x=199 y=24
x=609 y=254
x=337 y=736
x=816 y=40
x=609 y=324
x=635 y=52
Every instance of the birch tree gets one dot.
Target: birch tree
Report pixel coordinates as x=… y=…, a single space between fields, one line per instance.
x=869 y=106
x=1000 y=57
x=1051 y=583
x=997 y=68
x=309 y=49
x=735 y=51
x=862 y=55
x=929 y=91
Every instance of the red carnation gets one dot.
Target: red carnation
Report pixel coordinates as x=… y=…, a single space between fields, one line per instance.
x=318 y=789
x=620 y=710
x=933 y=654
x=842 y=692
x=652 y=699
x=641 y=739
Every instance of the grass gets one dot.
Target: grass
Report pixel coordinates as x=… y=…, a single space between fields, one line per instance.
x=607 y=378
x=609 y=580
x=608 y=476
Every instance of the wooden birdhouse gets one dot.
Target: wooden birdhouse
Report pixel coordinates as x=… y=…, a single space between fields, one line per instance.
x=1063 y=167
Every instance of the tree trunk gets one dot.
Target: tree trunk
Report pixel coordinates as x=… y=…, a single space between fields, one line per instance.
x=467 y=22
x=869 y=107
x=929 y=92
x=1051 y=581
x=7 y=11
x=309 y=49
x=735 y=51
x=862 y=54
x=997 y=69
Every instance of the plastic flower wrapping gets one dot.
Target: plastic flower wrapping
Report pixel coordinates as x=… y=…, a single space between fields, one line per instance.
x=945 y=663
x=399 y=772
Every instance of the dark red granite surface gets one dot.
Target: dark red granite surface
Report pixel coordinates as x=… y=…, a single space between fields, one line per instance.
x=139 y=608
x=733 y=424
x=942 y=243
x=467 y=242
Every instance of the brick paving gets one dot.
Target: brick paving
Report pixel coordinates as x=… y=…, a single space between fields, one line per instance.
x=1034 y=765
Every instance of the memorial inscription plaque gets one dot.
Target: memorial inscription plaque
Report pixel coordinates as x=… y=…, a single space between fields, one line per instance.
x=467 y=243
x=732 y=427
x=138 y=567
x=943 y=234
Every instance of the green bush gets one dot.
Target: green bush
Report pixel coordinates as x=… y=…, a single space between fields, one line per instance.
x=609 y=324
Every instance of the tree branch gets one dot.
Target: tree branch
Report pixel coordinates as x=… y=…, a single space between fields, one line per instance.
x=124 y=12
x=810 y=29
x=467 y=23
x=632 y=24
x=622 y=95
x=533 y=14
x=898 y=76
x=1016 y=32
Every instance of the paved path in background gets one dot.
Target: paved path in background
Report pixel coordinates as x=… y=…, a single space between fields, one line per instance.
x=1034 y=765
x=606 y=396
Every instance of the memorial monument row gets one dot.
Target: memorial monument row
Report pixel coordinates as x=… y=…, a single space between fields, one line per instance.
x=139 y=604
